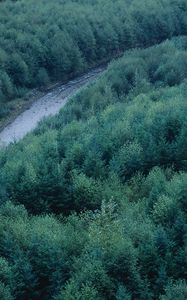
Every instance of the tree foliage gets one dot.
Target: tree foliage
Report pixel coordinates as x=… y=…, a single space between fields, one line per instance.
x=93 y=202
x=70 y=36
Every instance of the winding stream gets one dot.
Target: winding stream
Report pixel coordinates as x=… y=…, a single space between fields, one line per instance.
x=49 y=104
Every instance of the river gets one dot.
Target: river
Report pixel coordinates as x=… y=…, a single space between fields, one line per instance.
x=49 y=104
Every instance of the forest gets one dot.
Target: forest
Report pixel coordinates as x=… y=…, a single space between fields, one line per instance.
x=93 y=202
x=51 y=41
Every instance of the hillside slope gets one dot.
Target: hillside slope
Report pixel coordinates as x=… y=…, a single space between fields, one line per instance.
x=56 y=40
x=93 y=203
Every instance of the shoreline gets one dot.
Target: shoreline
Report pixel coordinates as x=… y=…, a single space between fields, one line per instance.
x=43 y=105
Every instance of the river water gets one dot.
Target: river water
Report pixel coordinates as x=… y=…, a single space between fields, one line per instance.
x=47 y=105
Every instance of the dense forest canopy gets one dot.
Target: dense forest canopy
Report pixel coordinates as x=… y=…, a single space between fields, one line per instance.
x=45 y=41
x=93 y=203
